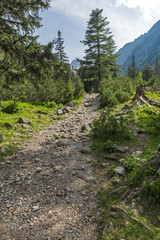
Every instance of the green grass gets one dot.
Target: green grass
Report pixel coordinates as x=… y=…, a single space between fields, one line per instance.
x=14 y=137
x=138 y=170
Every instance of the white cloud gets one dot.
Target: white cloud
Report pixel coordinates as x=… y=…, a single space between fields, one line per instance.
x=128 y=18
x=147 y=7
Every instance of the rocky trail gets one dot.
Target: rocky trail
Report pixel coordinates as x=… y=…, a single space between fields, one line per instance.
x=48 y=188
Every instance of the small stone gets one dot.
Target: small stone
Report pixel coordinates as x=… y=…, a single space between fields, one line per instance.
x=140 y=209
x=88 y=104
x=86 y=127
x=105 y=164
x=38 y=170
x=113 y=214
x=12 y=228
x=60 y=112
x=35 y=208
x=123 y=149
x=24 y=120
x=111 y=226
x=120 y=170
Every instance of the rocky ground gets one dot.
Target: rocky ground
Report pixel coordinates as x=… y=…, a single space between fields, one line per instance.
x=48 y=189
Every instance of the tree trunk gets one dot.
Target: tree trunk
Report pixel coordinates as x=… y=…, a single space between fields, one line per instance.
x=140 y=93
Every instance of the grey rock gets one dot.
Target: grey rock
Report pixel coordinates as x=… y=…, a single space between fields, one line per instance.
x=123 y=149
x=24 y=120
x=113 y=214
x=105 y=164
x=111 y=226
x=1 y=138
x=120 y=170
x=35 y=208
x=88 y=104
x=60 y=112
x=140 y=209
x=86 y=127
x=117 y=191
x=66 y=109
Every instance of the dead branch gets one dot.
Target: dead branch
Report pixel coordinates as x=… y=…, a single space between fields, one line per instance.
x=133 y=218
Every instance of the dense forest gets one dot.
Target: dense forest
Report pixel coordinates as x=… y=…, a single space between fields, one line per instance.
x=39 y=78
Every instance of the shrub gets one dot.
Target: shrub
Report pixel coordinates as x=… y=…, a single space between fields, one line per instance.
x=108 y=127
x=114 y=91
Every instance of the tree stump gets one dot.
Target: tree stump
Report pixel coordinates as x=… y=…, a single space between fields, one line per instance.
x=140 y=93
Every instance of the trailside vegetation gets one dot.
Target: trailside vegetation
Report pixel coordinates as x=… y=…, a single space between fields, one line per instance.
x=30 y=71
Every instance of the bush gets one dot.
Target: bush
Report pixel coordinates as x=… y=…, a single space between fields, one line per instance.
x=108 y=127
x=114 y=91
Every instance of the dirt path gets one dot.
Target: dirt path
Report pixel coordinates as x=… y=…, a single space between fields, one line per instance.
x=47 y=190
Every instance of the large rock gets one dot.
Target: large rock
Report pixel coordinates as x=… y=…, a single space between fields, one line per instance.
x=24 y=120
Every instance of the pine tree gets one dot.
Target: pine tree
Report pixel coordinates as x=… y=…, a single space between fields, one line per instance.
x=99 y=60
x=157 y=66
x=147 y=73
x=59 y=48
x=133 y=67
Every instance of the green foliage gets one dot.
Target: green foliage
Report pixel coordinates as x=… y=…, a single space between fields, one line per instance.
x=107 y=146
x=109 y=127
x=152 y=189
x=100 y=58
x=115 y=90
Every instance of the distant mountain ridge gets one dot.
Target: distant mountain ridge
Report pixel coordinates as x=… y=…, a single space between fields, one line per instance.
x=144 y=48
x=75 y=64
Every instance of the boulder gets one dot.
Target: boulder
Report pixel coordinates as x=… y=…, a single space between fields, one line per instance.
x=24 y=120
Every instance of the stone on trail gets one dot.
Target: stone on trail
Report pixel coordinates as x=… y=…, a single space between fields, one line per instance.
x=60 y=112
x=86 y=127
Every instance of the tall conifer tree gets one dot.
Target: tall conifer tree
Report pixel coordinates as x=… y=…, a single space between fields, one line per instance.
x=99 y=60
x=59 y=48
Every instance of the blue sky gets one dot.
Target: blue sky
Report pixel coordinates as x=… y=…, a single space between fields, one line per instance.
x=128 y=20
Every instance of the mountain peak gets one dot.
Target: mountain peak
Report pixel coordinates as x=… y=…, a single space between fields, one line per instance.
x=144 y=49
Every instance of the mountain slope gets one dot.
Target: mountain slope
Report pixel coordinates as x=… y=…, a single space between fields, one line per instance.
x=144 y=49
